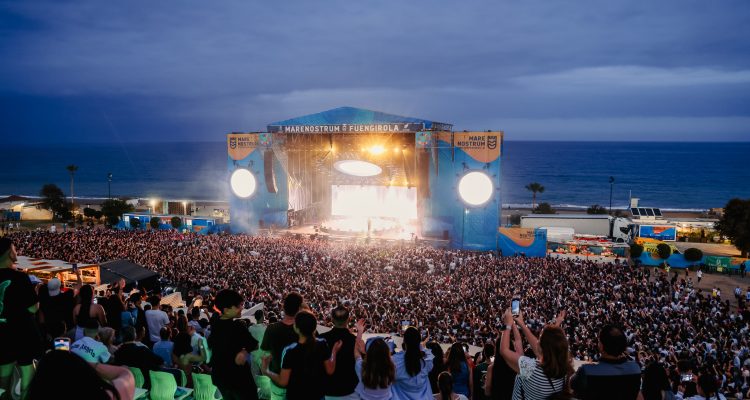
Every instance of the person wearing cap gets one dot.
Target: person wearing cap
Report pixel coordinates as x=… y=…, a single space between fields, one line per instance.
x=56 y=305
x=20 y=341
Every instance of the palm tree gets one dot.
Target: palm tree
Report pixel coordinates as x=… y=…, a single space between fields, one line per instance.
x=534 y=188
x=72 y=168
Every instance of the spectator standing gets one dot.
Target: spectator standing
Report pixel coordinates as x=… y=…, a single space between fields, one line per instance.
x=86 y=310
x=231 y=344
x=413 y=366
x=259 y=328
x=458 y=366
x=445 y=383
x=304 y=364
x=438 y=365
x=156 y=319
x=656 y=383
x=616 y=376
x=278 y=336
x=498 y=384
x=376 y=372
x=479 y=374
x=20 y=341
x=56 y=305
x=541 y=377
x=343 y=382
x=707 y=389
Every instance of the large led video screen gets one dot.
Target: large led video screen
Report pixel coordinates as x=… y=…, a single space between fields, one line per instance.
x=374 y=201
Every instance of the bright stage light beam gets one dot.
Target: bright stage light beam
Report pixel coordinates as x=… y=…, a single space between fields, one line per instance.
x=377 y=150
x=357 y=168
x=475 y=188
x=243 y=183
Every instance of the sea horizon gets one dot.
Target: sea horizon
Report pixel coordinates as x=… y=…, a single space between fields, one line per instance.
x=685 y=176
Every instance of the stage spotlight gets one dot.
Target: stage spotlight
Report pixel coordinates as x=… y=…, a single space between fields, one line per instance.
x=475 y=188
x=377 y=150
x=243 y=183
x=357 y=168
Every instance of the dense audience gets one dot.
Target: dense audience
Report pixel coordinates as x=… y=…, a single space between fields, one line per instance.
x=622 y=318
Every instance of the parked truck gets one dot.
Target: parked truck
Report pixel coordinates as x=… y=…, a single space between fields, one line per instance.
x=616 y=228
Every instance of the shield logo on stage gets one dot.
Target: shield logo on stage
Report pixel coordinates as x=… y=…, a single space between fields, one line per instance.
x=232 y=143
x=492 y=142
x=264 y=139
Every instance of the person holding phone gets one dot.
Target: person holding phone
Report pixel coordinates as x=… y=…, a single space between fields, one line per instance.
x=545 y=375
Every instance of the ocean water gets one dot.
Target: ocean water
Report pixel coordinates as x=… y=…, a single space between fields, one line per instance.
x=681 y=176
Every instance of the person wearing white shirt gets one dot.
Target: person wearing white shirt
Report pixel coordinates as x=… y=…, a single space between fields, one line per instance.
x=89 y=348
x=155 y=320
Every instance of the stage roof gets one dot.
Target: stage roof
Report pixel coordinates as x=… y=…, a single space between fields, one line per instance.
x=344 y=117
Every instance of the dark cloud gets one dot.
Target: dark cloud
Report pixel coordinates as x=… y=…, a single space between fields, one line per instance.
x=92 y=71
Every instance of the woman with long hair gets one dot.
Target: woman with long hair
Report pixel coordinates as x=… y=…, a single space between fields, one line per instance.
x=62 y=374
x=498 y=384
x=86 y=310
x=304 y=364
x=438 y=365
x=376 y=371
x=655 y=382
x=413 y=366
x=544 y=376
x=458 y=366
x=445 y=384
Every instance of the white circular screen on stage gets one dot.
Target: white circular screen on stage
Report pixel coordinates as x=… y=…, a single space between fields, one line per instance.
x=475 y=188
x=243 y=183
x=357 y=168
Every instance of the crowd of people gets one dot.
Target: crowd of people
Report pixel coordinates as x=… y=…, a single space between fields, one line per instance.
x=610 y=318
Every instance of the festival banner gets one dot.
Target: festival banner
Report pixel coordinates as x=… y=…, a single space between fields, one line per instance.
x=482 y=146
x=240 y=145
x=658 y=232
x=517 y=241
x=523 y=237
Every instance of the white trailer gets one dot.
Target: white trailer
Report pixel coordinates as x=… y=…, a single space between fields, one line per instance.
x=582 y=224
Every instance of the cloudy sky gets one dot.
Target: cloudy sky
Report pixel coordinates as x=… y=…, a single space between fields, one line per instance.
x=540 y=70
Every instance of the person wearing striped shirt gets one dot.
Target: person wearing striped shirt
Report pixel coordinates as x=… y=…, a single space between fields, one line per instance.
x=541 y=377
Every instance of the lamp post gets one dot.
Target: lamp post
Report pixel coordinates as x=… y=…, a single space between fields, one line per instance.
x=611 y=187
x=109 y=185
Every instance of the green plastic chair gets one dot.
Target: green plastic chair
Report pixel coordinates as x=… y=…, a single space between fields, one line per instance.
x=164 y=387
x=140 y=380
x=204 y=388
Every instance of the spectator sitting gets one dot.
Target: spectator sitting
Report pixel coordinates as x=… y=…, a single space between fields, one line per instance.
x=164 y=347
x=89 y=347
x=61 y=375
x=134 y=354
x=614 y=370
x=107 y=337
x=413 y=366
x=445 y=383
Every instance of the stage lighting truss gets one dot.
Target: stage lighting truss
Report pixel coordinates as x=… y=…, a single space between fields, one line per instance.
x=357 y=168
x=475 y=188
x=243 y=183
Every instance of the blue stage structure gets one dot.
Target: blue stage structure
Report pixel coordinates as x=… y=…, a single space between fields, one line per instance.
x=299 y=170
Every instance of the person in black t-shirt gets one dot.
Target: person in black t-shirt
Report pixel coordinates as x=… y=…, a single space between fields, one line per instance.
x=304 y=364
x=279 y=335
x=480 y=372
x=20 y=341
x=231 y=344
x=344 y=380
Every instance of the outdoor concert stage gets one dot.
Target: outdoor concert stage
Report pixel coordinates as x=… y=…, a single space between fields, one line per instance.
x=361 y=173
